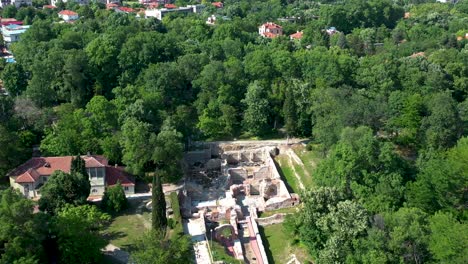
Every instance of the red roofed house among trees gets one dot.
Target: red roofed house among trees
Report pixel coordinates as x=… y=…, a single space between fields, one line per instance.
x=270 y=30
x=68 y=15
x=30 y=176
x=298 y=35
x=170 y=6
x=218 y=4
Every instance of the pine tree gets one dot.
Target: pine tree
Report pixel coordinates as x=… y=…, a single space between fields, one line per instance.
x=159 y=205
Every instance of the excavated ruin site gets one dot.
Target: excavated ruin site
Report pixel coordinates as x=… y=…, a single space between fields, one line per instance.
x=226 y=185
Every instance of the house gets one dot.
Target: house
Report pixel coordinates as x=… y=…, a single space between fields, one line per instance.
x=211 y=20
x=80 y=2
x=160 y=13
x=123 y=9
x=111 y=6
x=11 y=32
x=218 y=4
x=331 y=31
x=49 y=7
x=296 y=36
x=31 y=176
x=270 y=30
x=16 y=3
x=68 y=15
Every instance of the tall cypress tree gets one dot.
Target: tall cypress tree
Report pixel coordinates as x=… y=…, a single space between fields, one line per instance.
x=78 y=169
x=159 y=204
x=78 y=165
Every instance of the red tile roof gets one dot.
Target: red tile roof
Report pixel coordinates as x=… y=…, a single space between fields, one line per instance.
x=111 y=5
x=218 y=4
x=30 y=175
x=114 y=174
x=170 y=6
x=271 y=25
x=68 y=13
x=270 y=35
x=297 y=35
x=126 y=9
x=6 y=23
x=34 y=168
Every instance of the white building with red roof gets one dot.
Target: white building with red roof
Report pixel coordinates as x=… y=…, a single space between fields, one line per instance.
x=270 y=30
x=30 y=176
x=68 y=15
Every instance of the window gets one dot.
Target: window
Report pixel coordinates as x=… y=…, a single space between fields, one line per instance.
x=99 y=172
x=126 y=188
x=94 y=191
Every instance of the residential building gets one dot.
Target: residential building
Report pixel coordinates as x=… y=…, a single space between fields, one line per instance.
x=218 y=4
x=270 y=30
x=331 y=31
x=34 y=173
x=123 y=9
x=160 y=13
x=211 y=20
x=296 y=36
x=16 y=3
x=11 y=32
x=81 y=2
x=68 y=15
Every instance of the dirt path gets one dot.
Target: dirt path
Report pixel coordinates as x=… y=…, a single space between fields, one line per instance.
x=291 y=163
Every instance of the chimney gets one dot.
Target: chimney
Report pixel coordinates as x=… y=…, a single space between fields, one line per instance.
x=88 y=154
x=115 y=165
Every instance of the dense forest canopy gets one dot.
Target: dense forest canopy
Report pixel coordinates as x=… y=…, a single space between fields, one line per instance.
x=384 y=99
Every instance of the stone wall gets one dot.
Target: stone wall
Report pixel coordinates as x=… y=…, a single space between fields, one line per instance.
x=271 y=220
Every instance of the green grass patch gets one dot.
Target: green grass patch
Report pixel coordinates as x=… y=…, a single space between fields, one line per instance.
x=279 y=245
x=288 y=210
x=287 y=173
x=177 y=226
x=310 y=158
x=126 y=227
x=220 y=254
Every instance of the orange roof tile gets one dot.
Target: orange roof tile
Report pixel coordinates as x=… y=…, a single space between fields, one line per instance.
x=297 y=35
x=68 y=13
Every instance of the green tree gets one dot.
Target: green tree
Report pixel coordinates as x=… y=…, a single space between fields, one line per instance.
x=14 y=79
x=114 y=199
x=257 y=111
x=21 y=232
x=12 y=151
x=448 y=238
x=9 y=11
x=159 y=220
x=78 y=238
x=137 y=145
x=153 y=247
x=61 y=189
x=168 y=152
x=78 y=166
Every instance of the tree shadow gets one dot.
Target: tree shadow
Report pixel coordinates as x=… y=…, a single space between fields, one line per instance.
x=283 y=178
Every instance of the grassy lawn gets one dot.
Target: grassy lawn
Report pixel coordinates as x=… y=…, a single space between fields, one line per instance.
x=288 y=210
x=127 y=226
x=279 y=246
x=220 y=254
x=310 y=160
x=287 y=173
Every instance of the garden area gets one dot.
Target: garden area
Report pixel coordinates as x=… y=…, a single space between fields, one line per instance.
x=280 y=246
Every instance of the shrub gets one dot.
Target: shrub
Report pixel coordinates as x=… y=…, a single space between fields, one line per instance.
x=114 y=199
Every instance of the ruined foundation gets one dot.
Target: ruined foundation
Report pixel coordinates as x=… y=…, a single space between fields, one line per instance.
x=227 y=184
